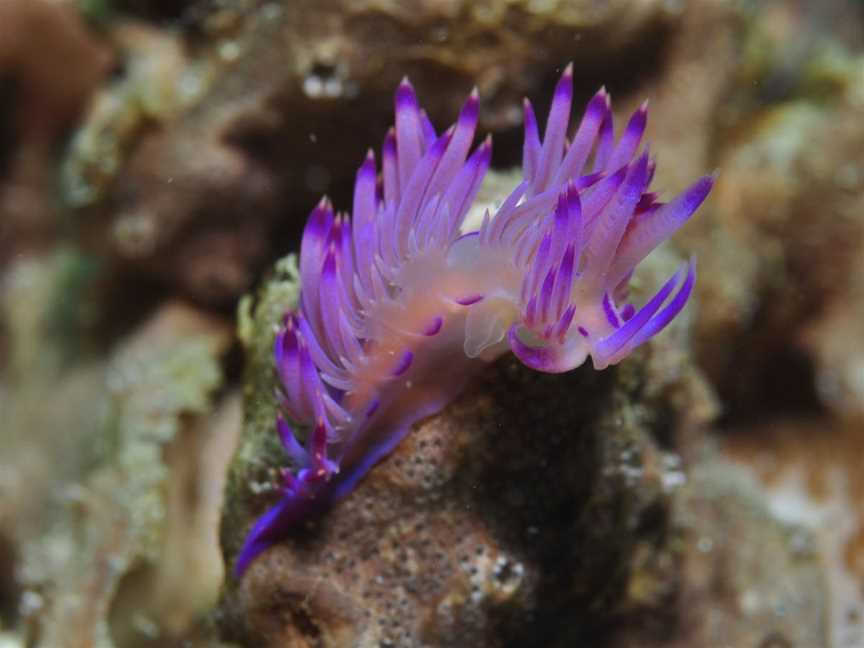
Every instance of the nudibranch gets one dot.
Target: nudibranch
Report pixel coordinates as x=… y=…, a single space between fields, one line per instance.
x=399 y=306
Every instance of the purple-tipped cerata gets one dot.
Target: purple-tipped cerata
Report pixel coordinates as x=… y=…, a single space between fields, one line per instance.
x=399 y=305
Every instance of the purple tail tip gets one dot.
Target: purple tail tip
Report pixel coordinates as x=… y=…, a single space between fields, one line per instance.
x=271 y=527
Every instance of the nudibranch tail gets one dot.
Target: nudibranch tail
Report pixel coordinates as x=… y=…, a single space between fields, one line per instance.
x=399 y=306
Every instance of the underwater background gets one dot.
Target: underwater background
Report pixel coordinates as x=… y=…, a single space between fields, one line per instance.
x=158 y=161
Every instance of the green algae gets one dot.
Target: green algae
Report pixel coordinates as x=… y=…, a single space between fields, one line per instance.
x=259 y=455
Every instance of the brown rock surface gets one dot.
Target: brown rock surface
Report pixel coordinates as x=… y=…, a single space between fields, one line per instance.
x=526 y=502
x=531 y=500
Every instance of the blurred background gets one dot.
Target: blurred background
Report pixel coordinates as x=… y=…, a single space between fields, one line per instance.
x=158 y=157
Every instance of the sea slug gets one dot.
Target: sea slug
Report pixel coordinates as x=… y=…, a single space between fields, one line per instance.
x=399 y=306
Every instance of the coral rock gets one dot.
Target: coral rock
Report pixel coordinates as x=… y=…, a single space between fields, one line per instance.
x=530 y=497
